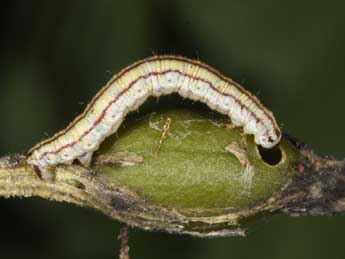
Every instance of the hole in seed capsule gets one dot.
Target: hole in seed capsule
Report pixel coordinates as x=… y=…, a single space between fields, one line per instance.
x=271 y=156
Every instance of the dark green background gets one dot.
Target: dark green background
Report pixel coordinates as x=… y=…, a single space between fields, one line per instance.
x=55 y=55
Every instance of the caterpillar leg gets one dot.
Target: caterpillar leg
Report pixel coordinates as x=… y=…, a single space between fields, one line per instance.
x=85 y=159
x=45 y=173
x=230 y=125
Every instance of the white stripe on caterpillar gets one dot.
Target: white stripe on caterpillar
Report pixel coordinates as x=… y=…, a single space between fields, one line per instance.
x=155 y=76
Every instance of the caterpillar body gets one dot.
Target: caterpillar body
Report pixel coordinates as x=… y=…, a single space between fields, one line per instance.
x=154 y=76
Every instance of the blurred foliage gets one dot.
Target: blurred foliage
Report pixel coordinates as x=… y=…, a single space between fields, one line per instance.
x=55 y=55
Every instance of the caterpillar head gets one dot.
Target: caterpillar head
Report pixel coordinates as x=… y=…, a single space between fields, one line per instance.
x=268 y=139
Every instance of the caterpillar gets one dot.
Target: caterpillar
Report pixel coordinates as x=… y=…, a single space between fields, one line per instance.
x=154 y=76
